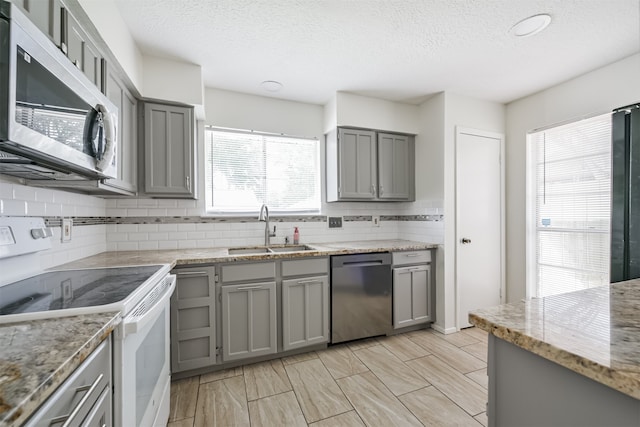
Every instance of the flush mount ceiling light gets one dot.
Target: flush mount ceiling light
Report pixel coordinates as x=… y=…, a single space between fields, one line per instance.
x=531 y=25
x=271 y=85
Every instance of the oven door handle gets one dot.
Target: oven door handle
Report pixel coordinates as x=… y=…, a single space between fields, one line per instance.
x=149 y=308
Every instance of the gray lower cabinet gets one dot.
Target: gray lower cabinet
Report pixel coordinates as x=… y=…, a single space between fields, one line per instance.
x=411 y=295
x=169 y=161
x=193 y=332
x=305 y=311
x=249 y=320
x=85 y=398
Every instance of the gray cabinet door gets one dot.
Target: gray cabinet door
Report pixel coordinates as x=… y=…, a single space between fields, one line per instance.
x=169 y=150
x=248 y=320
x=305 y=311
x=393 y=166
x=126 y=151
x=45 y=14
x=411 y=295
x=193 y=332
x=357 y=164
x=80 y=50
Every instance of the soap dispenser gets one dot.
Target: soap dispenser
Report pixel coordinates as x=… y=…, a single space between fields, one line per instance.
x=296 y=236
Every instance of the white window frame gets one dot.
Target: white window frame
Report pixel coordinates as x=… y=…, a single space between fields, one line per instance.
x=211 y=211
x=531 y=267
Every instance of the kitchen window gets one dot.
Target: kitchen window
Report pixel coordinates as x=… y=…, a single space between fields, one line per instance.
x=568 y=235
x=246 y=169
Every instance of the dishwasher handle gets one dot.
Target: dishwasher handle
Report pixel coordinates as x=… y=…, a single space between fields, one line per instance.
x=363 y=264
x=361 y=260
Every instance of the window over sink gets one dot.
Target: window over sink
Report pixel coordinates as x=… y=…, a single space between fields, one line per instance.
x=245 y=169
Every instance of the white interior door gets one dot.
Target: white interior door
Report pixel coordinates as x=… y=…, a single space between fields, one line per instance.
x=479 y=221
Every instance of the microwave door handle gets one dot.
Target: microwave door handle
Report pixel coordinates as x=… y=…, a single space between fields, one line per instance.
x=140 y=316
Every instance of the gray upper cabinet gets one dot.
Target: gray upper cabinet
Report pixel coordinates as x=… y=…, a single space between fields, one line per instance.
x=169 y=150
x=365 y=165
x=193 y=331
x=305 y=311
x=249 y=320
x=46 y=15
x=357 y=164
x=126 y=151
x=395 y=167
x=80 y=50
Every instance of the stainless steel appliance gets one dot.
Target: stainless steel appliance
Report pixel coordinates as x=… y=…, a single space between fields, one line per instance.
x=141 y=364
x=54 y=123
x=361 y=296
x=625 y=194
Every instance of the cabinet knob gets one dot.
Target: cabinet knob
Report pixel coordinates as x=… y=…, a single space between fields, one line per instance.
x=465 y=241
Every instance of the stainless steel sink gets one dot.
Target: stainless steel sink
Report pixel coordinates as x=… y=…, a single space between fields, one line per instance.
x=257 y=250
x=291 y=248
x=249 y=251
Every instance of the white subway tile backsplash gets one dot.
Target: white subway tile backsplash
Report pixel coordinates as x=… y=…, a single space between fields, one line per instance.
x=186 y=227
x=147 y=203
x=137 y=237
x=186 y=244
x=127 y=228
x=176 y=212
x=116 y=212
x=13 y=207
x=168 y=244
x=148 y=245
x=167 y=203
x=147 y=227
x=127 y=203
x=157 y=212
x=137 y=212
x=128 y=246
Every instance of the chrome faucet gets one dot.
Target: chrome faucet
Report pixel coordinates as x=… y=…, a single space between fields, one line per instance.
x=264 y=216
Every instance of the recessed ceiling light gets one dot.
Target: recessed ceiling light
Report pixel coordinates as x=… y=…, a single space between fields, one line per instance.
x=271 y=85
x=531 y=25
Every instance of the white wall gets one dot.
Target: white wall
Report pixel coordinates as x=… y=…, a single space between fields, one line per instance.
x=373 y=113
x=107 y=19
x=597 y=92
x=174 y=81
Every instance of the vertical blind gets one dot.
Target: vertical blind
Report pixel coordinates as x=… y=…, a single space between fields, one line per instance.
x=572 y=205
x=246 y=169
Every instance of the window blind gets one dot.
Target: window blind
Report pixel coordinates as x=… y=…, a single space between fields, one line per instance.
x=572 y=205
x=245 y=170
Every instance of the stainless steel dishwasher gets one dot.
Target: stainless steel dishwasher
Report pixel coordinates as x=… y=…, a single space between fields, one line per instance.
x=361 y=303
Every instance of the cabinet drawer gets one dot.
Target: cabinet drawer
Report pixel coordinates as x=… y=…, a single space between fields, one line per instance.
x=81 y=391
x=411 y=257
x=243 y=272
x=302 y=267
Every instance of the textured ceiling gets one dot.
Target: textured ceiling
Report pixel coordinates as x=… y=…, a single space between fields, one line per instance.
x=400 y=50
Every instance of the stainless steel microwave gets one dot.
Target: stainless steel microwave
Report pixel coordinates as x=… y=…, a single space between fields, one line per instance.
x=54 y=123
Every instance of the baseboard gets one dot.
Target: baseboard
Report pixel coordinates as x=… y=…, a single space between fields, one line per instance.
x=442 y=330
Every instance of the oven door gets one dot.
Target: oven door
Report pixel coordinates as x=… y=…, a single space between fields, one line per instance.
x=141 y=357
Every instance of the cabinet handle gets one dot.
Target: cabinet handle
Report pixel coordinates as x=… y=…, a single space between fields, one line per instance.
x=244 y=288
x=373 y=190
x=188 y=182
x=69 y=418
x=304 y=282
x=192 y=273
x=381 y=190
x=412 y=255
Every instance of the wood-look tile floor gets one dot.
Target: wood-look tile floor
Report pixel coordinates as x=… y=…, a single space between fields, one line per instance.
x=417 y=378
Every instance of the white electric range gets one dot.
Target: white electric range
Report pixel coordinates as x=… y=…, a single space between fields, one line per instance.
x=140 y=293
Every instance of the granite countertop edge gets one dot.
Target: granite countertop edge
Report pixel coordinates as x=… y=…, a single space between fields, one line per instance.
x=14 y=412
x=179 y=257
x=618 y=379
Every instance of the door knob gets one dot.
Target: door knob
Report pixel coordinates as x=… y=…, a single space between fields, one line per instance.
x=465 y=241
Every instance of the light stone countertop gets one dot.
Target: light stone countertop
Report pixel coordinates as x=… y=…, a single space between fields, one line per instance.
x=37 y=356
x=214 y=255
x=594 y=332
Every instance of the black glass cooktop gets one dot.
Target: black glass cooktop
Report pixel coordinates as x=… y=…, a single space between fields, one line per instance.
x=59 y=290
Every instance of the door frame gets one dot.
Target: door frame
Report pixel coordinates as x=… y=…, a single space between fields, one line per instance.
x=461 y=130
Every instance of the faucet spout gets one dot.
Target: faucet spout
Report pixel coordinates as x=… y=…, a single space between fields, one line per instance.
x=264 y=216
